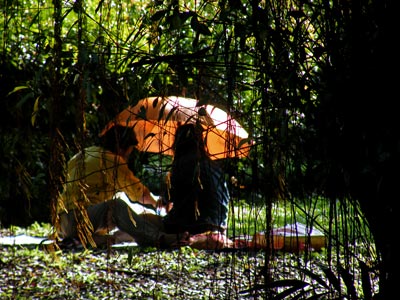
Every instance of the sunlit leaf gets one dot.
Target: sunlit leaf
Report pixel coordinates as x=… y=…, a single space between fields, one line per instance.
x=18 y=88
x=35 y=111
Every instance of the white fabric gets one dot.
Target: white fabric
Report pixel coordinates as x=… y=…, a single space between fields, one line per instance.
x=139 y=208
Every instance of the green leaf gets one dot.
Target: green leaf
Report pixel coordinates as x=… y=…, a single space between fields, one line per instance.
x=335 y=281
x=315 y=276
x=18 y=88
x=199 y=27
x=35 y=111
x=25 y=98
x=158 y=15
x=174 y=21
x=171 y=112
x=349 y=282
x=130 y=256
x=245 y=141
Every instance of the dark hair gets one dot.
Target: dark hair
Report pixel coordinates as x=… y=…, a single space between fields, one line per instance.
x=189 y=137
x=119 y=137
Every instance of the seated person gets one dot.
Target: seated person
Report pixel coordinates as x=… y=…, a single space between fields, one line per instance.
x=197 y=189
x=97 y=192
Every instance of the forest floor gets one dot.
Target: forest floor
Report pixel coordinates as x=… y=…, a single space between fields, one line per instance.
x=46 y=272
x=130 y=273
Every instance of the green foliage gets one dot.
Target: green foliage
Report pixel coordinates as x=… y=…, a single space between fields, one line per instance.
x=34 y=229
x=303 y=77
x=187 y=273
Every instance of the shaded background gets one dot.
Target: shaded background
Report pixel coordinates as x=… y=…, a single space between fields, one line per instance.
x=312 y=82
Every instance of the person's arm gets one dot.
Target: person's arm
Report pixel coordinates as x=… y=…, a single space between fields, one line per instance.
x=126 y=181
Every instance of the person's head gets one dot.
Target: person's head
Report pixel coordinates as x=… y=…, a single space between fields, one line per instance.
x=119 y=138
x=189 y=137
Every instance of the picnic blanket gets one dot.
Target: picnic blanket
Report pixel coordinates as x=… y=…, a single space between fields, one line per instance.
x=292 y=237
x=27 y=240
x=23 y=239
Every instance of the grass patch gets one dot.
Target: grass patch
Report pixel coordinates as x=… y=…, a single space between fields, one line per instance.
x=186 y=273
